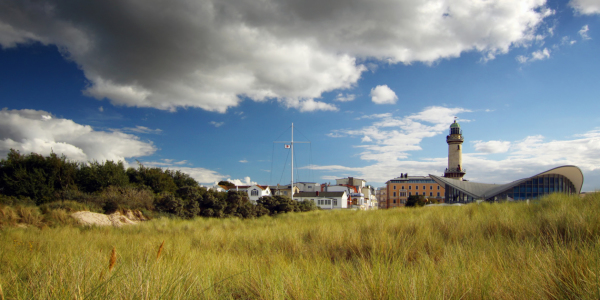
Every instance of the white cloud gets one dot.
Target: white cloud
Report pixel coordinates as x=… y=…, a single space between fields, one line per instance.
x=345 y=98
x=101 y=109
x=201 y=175
x=243 y=161
x=212 y=54
x=391 y=138
x=583 y=32
x=217 y=124
x=139 y=129
x=521 y=158
x=586 y=7
x=245 y=181
x=38 y=131
x=382 y=94
x=492 y=146
x=536 y=55
x=309 y=105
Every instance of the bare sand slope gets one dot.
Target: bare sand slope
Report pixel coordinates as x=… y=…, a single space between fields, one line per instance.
x=116 y=219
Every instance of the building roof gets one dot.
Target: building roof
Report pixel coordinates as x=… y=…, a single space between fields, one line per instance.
x=320 y=194
x=455 y=125
x=486 y=190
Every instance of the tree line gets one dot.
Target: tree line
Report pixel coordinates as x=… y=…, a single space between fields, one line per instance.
x=108 y=186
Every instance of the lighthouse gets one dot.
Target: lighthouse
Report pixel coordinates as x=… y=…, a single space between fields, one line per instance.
x=455 y=139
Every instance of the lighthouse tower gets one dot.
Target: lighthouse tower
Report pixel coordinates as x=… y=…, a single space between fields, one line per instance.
x=455 y=139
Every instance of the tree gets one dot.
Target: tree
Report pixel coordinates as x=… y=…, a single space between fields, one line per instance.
x=225 y=183
x=416 y=200
x=278 y=204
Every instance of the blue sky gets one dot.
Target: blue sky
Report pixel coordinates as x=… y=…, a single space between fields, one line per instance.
x=208 y=86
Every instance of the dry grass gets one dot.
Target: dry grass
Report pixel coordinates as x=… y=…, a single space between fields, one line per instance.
x=545 y=250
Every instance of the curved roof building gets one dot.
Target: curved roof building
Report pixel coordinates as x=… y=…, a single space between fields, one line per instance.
x=565 y=179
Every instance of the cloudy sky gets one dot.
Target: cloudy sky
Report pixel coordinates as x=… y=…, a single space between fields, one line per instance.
x=206 y=87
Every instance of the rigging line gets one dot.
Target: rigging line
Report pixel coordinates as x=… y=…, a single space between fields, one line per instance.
x=302 y=134
x=284 y=165
x=283 y=132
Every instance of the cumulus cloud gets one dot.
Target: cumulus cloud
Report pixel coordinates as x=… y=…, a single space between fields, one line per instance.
x=40 y=132
x=345 y=98
x=390 y=138
x=216 y=124
x=382 y=94
x=212 y=54
x=492 y=146
x=201 y=175
x=245 y=181
x=586 y=7
x=583 y=32
x=536 y=55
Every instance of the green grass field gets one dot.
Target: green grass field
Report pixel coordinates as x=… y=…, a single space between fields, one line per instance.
x=543 y=250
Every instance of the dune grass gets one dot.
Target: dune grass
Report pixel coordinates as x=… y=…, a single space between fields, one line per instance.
x=543 y=250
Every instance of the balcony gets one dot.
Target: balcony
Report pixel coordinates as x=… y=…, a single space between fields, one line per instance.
x=455 y=138
x=455 y=170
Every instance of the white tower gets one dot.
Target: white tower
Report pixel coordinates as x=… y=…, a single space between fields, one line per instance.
x=455 y=140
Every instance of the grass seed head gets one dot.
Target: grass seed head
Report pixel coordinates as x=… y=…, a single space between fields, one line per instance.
x=113 y=259
x=160 y=249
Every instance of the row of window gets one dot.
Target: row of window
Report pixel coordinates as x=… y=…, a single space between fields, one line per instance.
x=413 y=181
x=417 y=187
x=325 y=202
x=403 y=194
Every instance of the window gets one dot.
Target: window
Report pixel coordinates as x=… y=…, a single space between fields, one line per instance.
x=254 y=192
x=424 y=188
x=394 y=200
x=334 y=202
x=410 y=193
x=416 y=187
x=438 y=194
x=410 y=187
x=431 y=194
x=394 y=194
x=431 y=187
x=458 y=147
x=402 y=187
x=310 y=187
x=285 y=193
x=394 y=187
x=423 y=193
x=438 y=187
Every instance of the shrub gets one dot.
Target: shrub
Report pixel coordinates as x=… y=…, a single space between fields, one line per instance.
x=68 y=206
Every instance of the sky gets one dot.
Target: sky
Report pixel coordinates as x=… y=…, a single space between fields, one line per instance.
x=207 y=87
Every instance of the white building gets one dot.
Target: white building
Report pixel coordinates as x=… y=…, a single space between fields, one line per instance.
x=308 y=186
x=325 y=200
x=254 y=191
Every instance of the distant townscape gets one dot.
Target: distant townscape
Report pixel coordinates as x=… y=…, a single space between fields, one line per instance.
x=405 y=190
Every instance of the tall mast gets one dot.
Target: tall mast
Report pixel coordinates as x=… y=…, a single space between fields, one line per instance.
x=292 y=146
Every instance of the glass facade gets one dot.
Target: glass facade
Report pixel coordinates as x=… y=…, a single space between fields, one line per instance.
x=456 y=196
x=536 y=187
x=532 y=188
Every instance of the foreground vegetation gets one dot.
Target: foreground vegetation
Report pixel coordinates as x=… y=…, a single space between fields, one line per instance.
x=42 y=190
x=542 y=250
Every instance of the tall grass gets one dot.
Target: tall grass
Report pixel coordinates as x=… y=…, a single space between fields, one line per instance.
x=545 y=250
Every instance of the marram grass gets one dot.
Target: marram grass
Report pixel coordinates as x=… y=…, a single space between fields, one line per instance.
x=543 y=250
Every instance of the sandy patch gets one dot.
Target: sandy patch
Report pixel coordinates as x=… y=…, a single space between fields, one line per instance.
x=116 y=219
